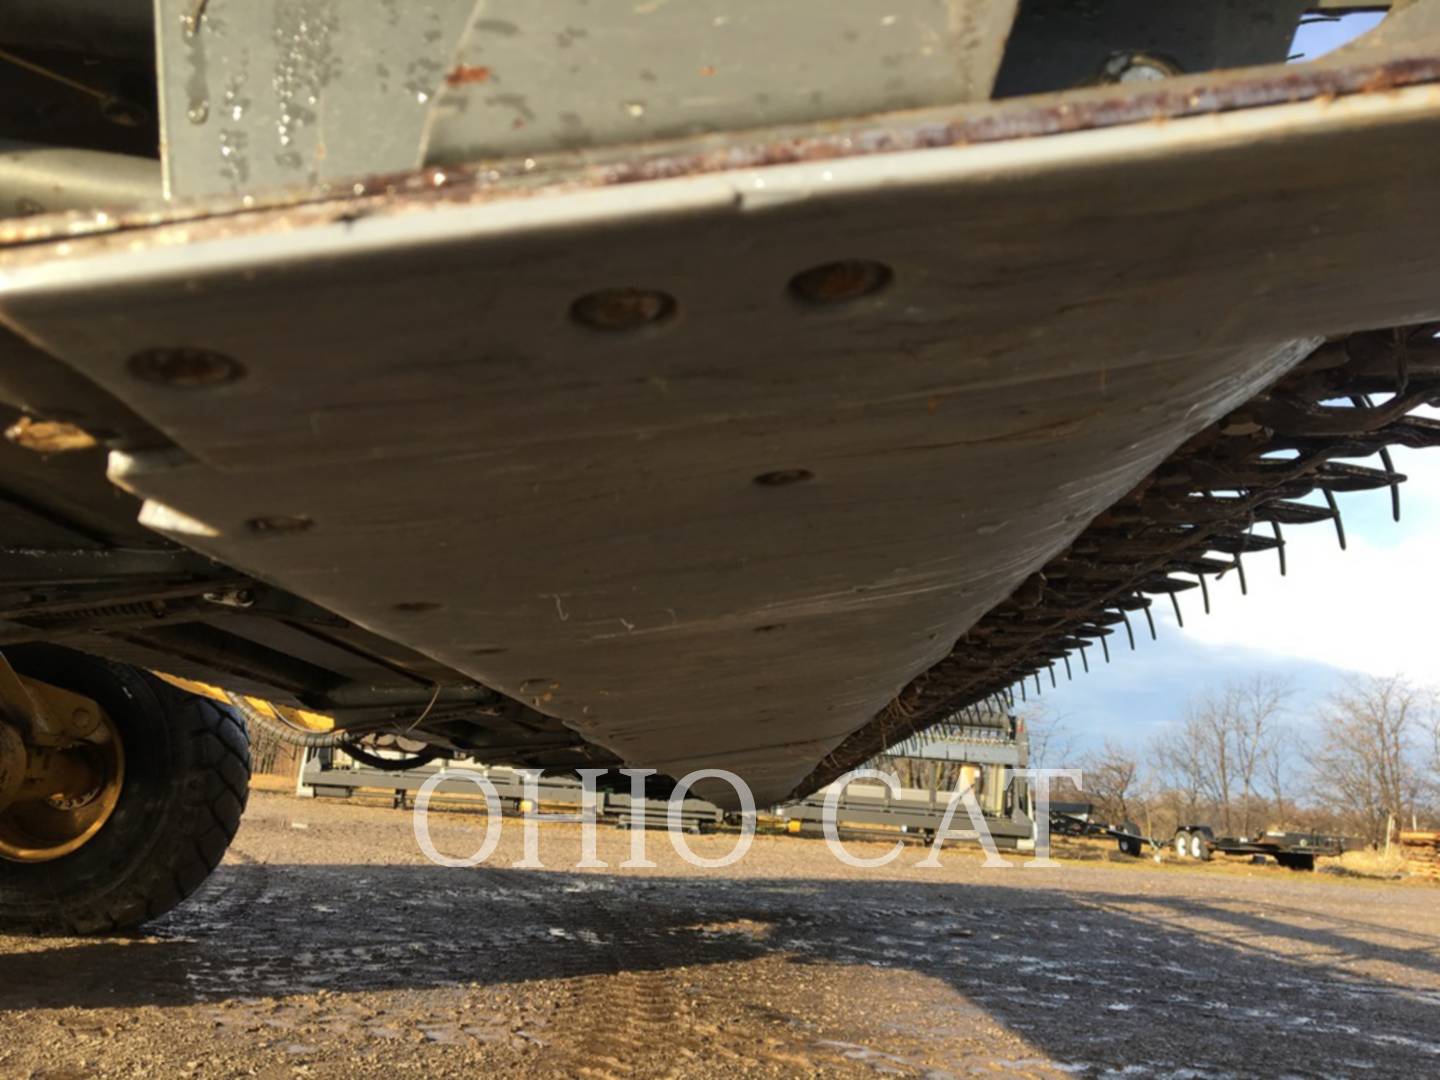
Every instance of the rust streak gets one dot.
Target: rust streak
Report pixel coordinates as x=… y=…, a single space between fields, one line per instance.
x=466 y=74
x=1022 y=118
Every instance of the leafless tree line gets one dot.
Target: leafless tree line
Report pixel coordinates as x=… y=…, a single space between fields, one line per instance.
x=1245 y=758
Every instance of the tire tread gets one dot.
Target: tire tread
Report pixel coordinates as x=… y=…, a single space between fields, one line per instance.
x=211 y=793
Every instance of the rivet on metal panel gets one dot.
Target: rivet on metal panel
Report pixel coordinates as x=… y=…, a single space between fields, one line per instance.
x=183 y=366
x=840 y=282
x=618 y=310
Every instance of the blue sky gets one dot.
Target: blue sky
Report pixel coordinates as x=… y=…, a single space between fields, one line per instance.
x=1318 y=36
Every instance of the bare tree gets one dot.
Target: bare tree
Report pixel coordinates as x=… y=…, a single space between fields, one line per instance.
x=1254 y=708
x=1052 y=744
x=1220 y=757
x=1110 y=778
x=1366 y=760
x=1435 y=751
x=1180 y=755
x=1278 y=767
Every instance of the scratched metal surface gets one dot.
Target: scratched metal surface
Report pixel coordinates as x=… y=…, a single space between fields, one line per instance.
x=1402 y=53
x=292 y=93
x=257 y=95
x=531 y=78
x=570 y=516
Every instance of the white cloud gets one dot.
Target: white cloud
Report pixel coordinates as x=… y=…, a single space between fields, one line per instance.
x=1370 y=609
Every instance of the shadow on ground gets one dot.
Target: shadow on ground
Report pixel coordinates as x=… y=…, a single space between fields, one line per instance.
x=1180 y=980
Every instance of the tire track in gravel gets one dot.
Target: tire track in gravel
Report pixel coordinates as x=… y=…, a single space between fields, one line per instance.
x=621 y=1000
x=230 y=895
x=632 y=1008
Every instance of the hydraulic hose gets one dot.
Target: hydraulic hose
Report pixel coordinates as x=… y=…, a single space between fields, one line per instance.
x=321 y=740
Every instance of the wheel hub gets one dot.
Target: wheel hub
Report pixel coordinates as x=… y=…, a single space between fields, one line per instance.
x=59 y=781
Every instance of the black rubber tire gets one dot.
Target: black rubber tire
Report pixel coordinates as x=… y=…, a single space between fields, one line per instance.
x=1131 y=844
x=187 y=774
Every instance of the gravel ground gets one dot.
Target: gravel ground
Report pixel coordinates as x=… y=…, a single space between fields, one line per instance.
x=327 y=946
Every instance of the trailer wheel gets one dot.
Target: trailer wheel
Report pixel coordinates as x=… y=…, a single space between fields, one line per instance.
x=1182 y=843
x=1199 y=847
x=1130 y=844
x=174 y=808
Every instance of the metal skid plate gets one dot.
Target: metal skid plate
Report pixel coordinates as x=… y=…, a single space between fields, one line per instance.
x=415 y=431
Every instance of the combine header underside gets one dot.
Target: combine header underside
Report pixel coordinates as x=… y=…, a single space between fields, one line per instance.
x=1193 y=518
x=725 y=386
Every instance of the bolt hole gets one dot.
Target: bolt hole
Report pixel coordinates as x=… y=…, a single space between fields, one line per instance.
x=184 y=367
x=784 y=477
x=615 y=311
x=280 y=524
x=840 y=282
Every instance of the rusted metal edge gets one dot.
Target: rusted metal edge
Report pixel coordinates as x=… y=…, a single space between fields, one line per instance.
x=1023 y=118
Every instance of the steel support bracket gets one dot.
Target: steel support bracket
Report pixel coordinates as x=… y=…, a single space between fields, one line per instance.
x=47 y=715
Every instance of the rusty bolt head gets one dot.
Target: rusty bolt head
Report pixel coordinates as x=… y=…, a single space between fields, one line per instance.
x=619 y=310
x=1138 y=67
x=280 y=524
x=83 y=723
x=123 y=112
x=840 y=282
x=782 y=477
x=185 y=367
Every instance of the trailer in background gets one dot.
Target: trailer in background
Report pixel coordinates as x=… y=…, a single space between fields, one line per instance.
x=981 y=749
x=330 y=774
x=1073 y=819
x=1292 y=850
x=982 y=755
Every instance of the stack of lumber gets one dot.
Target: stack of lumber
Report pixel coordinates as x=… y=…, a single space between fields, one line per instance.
x=1422 y=852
